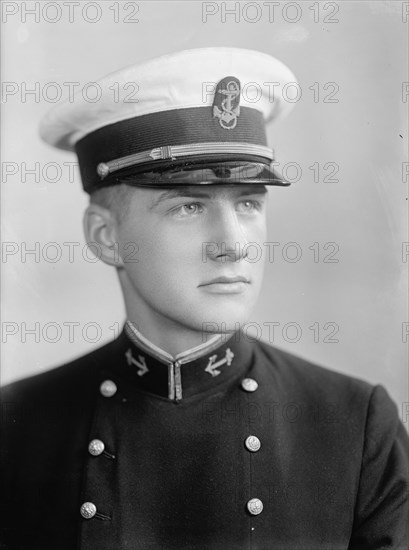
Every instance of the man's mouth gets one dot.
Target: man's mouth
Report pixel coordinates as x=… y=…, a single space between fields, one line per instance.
x=226 y=285
x=226 y=280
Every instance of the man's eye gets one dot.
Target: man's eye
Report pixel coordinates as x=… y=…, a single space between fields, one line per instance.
x=189 y=209
x=249 y=206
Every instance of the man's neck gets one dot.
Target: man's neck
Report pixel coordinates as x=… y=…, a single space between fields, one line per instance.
x=169 y=337
x=187 y=355
x=166 y=334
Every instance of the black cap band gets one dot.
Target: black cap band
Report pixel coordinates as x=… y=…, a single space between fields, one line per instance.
x=194 y=125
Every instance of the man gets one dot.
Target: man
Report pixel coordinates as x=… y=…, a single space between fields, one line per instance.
x=181 y=433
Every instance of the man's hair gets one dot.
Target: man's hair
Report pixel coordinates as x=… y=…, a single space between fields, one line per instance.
x=115 y=198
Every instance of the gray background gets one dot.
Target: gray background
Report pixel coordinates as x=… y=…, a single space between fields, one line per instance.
x=365 y=133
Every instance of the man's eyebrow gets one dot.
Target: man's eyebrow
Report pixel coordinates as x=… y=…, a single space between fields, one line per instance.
x=175 y=193
x=189 y=193
x=258 y=190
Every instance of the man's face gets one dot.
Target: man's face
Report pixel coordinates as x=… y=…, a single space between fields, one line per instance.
x=196 y=249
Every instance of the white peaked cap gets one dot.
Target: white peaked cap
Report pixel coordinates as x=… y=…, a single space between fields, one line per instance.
x=167 y=96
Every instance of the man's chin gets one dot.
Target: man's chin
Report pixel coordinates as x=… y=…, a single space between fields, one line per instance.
x=224 y=316
x=223 y=324
x=214 y=317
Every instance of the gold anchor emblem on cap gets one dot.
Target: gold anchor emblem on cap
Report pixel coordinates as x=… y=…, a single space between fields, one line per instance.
x=226 y=108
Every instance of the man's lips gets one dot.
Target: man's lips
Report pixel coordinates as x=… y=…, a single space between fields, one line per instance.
x=226 y=280
x=226 y=285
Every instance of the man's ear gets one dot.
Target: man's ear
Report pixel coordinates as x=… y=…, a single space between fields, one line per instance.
x=100 y=228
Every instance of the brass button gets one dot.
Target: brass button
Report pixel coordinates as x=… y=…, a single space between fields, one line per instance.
x=108 y=388
x=255 y=506
x=96 y=447
x=253 y=443
x=88 y=510
x=248 y=384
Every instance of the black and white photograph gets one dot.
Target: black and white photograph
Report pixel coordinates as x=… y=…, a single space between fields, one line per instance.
x=204 y=275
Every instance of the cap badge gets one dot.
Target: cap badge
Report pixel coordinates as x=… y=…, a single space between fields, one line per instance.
x=226 y=102
x=212 y=366
x=141 y=364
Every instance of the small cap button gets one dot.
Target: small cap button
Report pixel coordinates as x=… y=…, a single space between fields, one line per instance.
x=248 y=384
x=253 y=443
x=88 y=510
x=102 y=170
x=255 y=506
x=108 y=388
x=96 y=447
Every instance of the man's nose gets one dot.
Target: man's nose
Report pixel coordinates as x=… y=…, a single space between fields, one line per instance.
x=228 y=240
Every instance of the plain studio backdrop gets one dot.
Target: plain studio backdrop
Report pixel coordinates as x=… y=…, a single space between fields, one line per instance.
x=335 y=282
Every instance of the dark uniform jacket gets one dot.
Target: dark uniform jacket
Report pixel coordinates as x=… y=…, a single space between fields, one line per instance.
x=244 y=447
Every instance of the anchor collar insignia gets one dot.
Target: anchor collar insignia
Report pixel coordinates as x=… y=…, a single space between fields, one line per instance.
x=210 y=365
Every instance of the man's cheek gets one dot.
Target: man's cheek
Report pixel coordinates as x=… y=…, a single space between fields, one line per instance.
x=256 y=230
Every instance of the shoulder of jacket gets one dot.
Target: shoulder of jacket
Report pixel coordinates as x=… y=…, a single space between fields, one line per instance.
x=76 y=375
x=294 y=371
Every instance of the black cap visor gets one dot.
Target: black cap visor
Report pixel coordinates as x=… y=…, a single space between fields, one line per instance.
x=208 y=173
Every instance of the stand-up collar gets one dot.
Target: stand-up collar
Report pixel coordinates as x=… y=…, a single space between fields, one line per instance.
x=191 y=372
